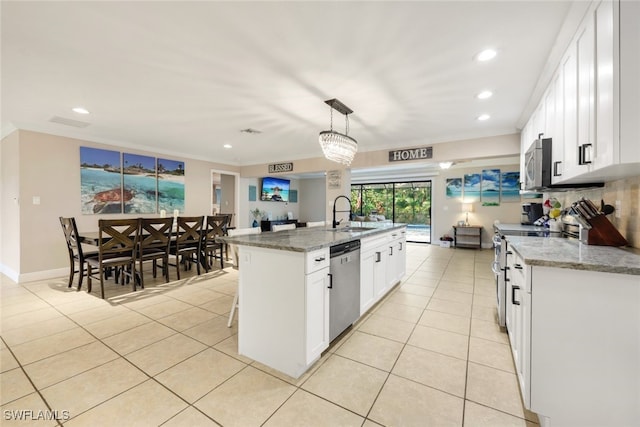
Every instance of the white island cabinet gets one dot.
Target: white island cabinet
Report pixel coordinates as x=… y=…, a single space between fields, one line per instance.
x=574 y=328
x=284 y=314
x=283 y=288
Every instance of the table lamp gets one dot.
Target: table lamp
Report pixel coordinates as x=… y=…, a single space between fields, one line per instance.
x=466 y=208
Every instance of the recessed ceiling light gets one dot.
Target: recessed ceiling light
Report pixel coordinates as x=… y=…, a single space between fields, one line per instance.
x=80 y=110
x=484 y=94
x=227 y=146
x=483 y=117
x=486 y=55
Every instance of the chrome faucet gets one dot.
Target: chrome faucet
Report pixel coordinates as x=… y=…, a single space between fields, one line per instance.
x=334 y=222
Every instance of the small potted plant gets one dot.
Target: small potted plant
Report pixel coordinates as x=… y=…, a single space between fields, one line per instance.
x=257 y=214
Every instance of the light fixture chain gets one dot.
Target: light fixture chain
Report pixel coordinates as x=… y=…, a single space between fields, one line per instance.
x=331 y=122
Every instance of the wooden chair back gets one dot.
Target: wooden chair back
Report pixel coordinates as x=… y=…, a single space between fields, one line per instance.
x=118 y=237
x=155 y=234
x=189 y=231
x=70 y=231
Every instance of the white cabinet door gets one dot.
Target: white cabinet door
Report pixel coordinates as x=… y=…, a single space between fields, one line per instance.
x=605 y=151
x=317 y=313
x=568 y=70
x=367 y=278
x=380 y=284
x=557 y=147
x=392 y=263
x=585 y=44
x=401 y=259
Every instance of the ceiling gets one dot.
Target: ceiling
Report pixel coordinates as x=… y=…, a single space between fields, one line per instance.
x=185 y=78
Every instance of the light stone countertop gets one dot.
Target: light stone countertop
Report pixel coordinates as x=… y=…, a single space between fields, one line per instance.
x=305 y=239
x=570 y=253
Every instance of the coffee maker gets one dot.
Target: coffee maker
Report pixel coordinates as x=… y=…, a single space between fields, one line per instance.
x=530 y=213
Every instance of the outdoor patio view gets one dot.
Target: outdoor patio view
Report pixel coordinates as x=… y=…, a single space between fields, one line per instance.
x=406 y=202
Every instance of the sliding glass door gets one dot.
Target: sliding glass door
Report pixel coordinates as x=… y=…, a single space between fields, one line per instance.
x=406 y=202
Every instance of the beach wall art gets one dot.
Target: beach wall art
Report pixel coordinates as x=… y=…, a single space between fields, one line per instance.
x=114 y=182
x=100 y=181
x=170 y=185
x=472 y=187
x=453 y=188
x=510 y=187
x=139 y=183
x=490 y=188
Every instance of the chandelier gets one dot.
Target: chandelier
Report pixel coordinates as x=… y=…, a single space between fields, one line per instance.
x=336 y=146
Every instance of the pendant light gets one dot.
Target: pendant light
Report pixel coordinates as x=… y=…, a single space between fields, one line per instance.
x=336 y=146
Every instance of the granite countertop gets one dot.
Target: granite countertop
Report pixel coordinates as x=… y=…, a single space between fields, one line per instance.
x=570 y=253
x=305 y=239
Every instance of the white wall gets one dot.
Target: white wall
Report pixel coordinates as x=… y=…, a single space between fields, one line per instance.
x=10 y=246
x=48 y=166
x=312 y=197
x=447 y=212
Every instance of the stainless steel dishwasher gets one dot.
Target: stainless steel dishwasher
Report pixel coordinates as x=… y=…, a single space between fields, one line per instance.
x=344 y=300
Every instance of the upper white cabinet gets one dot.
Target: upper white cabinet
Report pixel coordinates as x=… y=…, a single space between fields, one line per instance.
x=591 y=108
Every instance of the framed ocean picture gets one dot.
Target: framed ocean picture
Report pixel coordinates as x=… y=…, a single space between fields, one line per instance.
x=170 y=185
x=101 y=181
x=490 y=187
x=510 y=187
x=471 y=187
x=140 y=181
x=453 y=188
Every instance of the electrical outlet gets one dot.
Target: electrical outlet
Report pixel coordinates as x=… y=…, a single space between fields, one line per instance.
x=618 y=208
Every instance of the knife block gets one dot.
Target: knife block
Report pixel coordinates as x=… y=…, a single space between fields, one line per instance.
x=602 y=233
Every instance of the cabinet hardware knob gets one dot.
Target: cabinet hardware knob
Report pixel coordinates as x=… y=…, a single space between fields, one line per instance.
x=320 y=259
x=330 y=280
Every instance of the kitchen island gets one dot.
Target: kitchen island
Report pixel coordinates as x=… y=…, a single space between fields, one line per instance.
x=573 y=319
x=284 y=288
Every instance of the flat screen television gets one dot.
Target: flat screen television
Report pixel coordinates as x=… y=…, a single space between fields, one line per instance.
x=275 y=190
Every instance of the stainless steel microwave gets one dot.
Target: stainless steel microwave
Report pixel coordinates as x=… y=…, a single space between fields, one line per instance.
x=538 y=169
x=537 y=165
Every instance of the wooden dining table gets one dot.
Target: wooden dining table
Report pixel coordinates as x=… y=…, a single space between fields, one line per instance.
x=93 y=238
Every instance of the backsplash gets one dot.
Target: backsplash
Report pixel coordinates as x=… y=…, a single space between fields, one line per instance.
x=627 y=191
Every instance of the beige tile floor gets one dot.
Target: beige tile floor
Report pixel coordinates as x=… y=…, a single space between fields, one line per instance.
x=429 y=354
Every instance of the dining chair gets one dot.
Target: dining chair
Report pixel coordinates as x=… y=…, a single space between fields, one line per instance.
x=281 y=227
x=316 y=224
x=216 y=226
x=236 y=263
x=117 y=246
x=187 y=245
x=155 y=237
x=77 y=255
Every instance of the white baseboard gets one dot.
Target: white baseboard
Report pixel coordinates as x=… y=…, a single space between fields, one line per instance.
x=35 y=276
x=11 y=274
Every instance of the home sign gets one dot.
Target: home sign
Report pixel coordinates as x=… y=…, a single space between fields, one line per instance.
x=411 y=154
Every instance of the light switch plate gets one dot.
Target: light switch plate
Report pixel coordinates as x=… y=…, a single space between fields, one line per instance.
x=36 y=200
